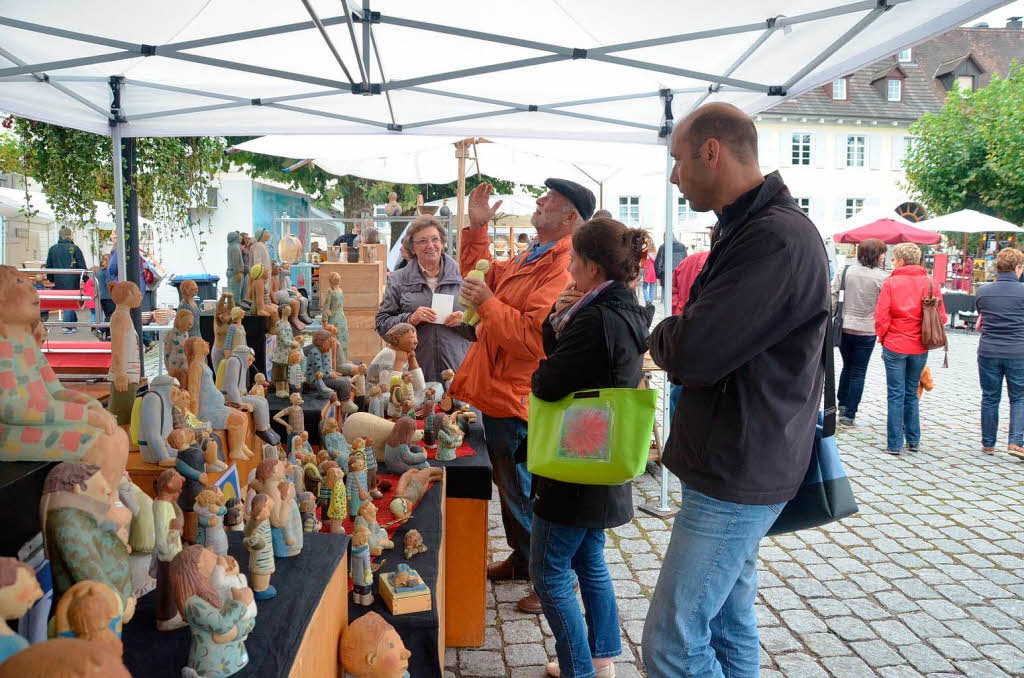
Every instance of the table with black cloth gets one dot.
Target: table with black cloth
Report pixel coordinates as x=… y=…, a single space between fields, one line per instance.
x=296 y=632
x=421 y=632
x=957 y=303
x=256 y=328
x=311 y=408
x=466 y=503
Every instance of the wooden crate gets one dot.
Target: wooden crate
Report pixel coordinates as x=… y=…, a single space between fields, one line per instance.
x=362 y=284
x=364 y=343
x=402 y=603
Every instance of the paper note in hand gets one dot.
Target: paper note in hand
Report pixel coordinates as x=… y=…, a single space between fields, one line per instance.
x=443 y=305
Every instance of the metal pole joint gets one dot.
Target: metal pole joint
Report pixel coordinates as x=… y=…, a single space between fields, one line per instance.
x=394 y=127
x=532 y=108
x=148 y=50
x=777 y=91
x=579 y=53
x=360 y=88
x=886 y=5
x=116 y=83
x=371 y=17
x=256 y=102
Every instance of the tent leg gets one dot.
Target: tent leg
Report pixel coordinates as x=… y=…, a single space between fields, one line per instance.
x=132 y=260
x=115 y=147
x=460 y=196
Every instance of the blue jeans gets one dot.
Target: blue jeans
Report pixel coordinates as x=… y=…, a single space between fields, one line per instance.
x=991 y=372
x=701 y=621
x=69 y=316
x=856 y=351
x=673 y=398
x=902 y=373
x=649 y=291
x=556 y=553
x=505 y=437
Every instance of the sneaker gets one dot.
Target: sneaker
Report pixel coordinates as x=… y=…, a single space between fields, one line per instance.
x=988 y=450
x=894 y=453
x=913 y=448
x=846 y=421
x=67 y=330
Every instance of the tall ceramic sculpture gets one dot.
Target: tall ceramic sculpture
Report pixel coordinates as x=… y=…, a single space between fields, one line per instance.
x=190 y=463
x=260 y=544
x=371 y=648
x=245 y=243
x=219 y=627
x=19 y=590
x=236 y=267
x=169 y=522
x=279 y=358
x=208 y=401
x=411 y=487
x=221 y=322
x=174 y=345
x=261 y=304
x=399 y=453
x=235 y=384
x=80 y=532
x=333 y=312
x=187 y=291
x=125 y=370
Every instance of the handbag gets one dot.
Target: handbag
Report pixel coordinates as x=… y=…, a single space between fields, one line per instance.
x=825 y=495
x=837 y=319
x=933 y=332
x=592 y=437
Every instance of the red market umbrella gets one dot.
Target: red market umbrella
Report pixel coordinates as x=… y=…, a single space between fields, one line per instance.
x=888 y=231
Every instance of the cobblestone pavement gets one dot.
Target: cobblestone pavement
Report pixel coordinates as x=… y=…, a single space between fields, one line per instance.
x=927 y=580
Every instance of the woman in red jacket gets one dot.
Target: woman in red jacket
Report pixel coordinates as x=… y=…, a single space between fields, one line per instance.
x=898 y=326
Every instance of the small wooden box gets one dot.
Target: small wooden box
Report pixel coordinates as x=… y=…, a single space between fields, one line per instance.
x=402 y=603
x=362 y=284
x=363 y=341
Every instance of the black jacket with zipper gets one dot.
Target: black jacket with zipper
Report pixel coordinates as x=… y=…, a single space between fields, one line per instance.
x=747 y=350
x=602 y=347
x=65 y=254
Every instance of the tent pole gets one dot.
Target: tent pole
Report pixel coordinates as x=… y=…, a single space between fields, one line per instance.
x=132 y=259
x=115 y=148
x=460 y=197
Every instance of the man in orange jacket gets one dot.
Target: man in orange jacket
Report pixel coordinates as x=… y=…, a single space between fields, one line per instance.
x=513 y=300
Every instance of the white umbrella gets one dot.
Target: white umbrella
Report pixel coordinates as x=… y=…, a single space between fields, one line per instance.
x=969 y=221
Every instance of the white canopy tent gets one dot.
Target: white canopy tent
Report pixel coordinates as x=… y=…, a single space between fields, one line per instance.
x=869 y=215
x=969 y=221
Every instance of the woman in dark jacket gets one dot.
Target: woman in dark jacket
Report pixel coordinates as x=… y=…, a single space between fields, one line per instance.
x=594 y=338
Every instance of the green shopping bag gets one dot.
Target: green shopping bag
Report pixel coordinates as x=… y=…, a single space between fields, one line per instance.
x=596 y=437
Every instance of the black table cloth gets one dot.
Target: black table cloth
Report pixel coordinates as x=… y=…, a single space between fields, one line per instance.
x=470 y=477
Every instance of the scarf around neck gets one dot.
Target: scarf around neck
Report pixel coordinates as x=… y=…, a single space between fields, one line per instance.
x=561 y=320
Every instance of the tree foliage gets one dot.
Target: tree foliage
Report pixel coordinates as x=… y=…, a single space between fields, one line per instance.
x=970 y=155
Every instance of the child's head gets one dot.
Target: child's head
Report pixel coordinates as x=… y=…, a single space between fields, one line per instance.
x=295 y=399
x=260 y=379
x=181 y=438
x=237 y=314
x=330 y=426
x=356 y=463
x=295 y=356
x=375 y=391
x=183 y=320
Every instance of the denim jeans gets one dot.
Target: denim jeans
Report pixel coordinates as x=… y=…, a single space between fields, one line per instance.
x=673 y=397
x=559 y=554
x=902 y=373
x=505 y=437
x=649 y=291
x=856 y=351
x=991 y=372
x=69 y=316
x=701 y=621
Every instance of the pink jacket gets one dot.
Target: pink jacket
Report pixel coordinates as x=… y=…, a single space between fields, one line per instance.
x=649 y=274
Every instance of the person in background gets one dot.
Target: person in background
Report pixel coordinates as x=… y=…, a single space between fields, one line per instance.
x=678 y=254
x=107 y=305
x=66 y=254
x=864 y=280
x=596 y=341
x=682 y=280
x=602 y=213
x=1000 y=307
x=650 y=279
x=898 y=326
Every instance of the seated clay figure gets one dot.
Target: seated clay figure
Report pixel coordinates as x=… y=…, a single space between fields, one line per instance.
x=235 y=384
x=321 y=377
x=371 y=648
x=397 y=356
x=208 y=401
x=156 y=421
x=378 y=537
x=261 y=292
x=399 y=454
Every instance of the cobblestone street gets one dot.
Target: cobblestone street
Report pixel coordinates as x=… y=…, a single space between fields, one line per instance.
x=927 y=580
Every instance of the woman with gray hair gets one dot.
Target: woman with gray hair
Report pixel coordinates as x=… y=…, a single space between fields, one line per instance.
x=409 y=294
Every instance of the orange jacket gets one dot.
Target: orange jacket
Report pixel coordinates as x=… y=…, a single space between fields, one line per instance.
x=495 y=376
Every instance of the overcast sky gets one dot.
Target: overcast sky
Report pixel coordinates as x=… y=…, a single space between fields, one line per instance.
x=998 y=18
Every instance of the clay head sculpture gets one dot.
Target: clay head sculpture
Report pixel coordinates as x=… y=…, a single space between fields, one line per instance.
x=65 y=658
x=413 y=543
x=371 y=648
x=91 y=611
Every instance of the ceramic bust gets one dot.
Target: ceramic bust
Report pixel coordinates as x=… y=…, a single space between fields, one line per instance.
x=218 y=626
x=236 y=267
x=411 y=487
x=355 y=484
x=400 y=344
x=169 y=523
x=333 y=312
x=221 y=322
x=156 y=421
x=187 y=291
x=210 y=510
x=208 y=401
x=227 y=575
x=399 y=454
x=413 y=544
x=235 y=385
x=471 y=317
x=259 y=542
x=19 y=591
x=334 y=499
x=125 y=371
x=90 y=610
x=80 y=532
x=174 y=345
x=261 y=304
x=40 y=420
x=279 y=357
x=371 y=648
x=65 y=658
x=359 y=566
x=378 y=537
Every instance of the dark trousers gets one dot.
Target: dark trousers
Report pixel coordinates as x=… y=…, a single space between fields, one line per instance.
x=506 y=442
x=856 y=351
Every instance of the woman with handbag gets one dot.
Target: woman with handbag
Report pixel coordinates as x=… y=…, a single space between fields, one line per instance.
x=899 y=316
x=594 y=338
x=860 y=283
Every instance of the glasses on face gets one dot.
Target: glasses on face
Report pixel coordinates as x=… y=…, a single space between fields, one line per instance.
x=423 y=242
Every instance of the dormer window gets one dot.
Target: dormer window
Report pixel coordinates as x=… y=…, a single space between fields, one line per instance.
x=888 y=81
x=963 y=71
x=894 y=90
x=839 y=89
x=904 y=56
x=966 y=83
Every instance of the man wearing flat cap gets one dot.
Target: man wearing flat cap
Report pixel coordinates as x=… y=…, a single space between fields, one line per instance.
x=513 y=300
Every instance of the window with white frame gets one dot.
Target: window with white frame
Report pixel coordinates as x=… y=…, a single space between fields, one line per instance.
x=895 y=90
x=839 y=89
x=805 y=205
x=856 y=150
x=853 y=205
x=629 y=209
x=904 y=55
x=801 y=148
x=966 y=83
x=683 y=211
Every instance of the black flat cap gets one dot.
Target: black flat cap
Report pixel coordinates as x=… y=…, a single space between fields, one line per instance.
x=581 y=198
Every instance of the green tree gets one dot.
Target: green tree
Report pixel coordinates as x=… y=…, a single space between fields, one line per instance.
x=970 y=155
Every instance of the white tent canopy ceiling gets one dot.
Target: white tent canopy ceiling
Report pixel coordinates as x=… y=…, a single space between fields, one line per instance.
x=572 y=69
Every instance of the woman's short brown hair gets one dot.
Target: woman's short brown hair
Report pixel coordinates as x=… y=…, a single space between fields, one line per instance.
x=869 y=251
x=1008 y=259
x=617 y=249
x=422 y=223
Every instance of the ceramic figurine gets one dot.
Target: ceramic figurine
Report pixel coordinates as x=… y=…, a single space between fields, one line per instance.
x=292 y=417
x=296 y=370
x=187 y=292
x=279 y=357
x=285 y=519
x=190 y=463
x=208 y=401
x=235 y=334
x=459 y=412
x=364 y=447
x=90 y=610
x=210 y=509
x=429 y=415
x=408 y=409
x=413 y=543
x=360 y=568
x=259 y=542
x=174 y=346
x=79 y=528
x=398 y=454
x=183 y=417
x=156 y=421
x=245 y=243
x=371 y=648
x=261 y=304
x=401 y=342
x=359 y=386
x=259 y=252
x=355 y=484
x=334 y=499
x=299 y=303
x=233 y=518
x=321 y=377
x=396 y=398
x=377 y=402
x=378 y=536
x=227 y=575
x=236 y=267
x=447 y=376
x=448 y=440
x=300 y=445
x=259 y=386
x=19 y=590
x=311 y=478
x=333 y=311
x=471 y=317
x=65 y=658
x=411 y=487
x=373 y=429
x=279 y=295
x=307 y=508
x=125 y=370
x=168 y=522
x=218 y=627
x=335 y=444
x=235 y=382
x=221 y=323
x=404 y=577
x=141 y=537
